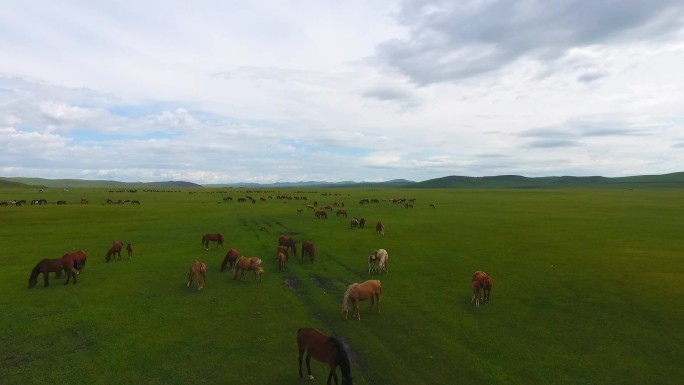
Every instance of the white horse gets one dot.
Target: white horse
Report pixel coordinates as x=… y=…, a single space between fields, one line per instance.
x=378 y=261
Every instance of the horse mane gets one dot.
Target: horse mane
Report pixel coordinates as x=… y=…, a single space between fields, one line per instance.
x=345 y=298
x=342 y=358
x=36 y=269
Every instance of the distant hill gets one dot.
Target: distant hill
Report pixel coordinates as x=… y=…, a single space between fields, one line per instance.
x=80 y=183
x=519 y=182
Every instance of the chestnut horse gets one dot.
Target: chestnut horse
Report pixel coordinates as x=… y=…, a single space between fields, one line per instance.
x=248 y=263
x=198 y=271
x=282 y=249
x=79 y=259
x=215 y=237
x=324 y=349
x=281 y=261
x=114 y=251
x=484 y=283
x=129 y=250
x=47 y=266
x=288 y=242
x=230 y=258
x=308 y=251
x=358 y=292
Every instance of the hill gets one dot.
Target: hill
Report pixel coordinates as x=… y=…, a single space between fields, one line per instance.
x=81 y=183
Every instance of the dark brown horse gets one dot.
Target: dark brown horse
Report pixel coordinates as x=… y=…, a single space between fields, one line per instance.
x=129 y=250
x=47 y=266
x=245 y=263
x=380 y=228
x=215 y=237
x=288 y=242
x=114 y=251
x=324 y=349
x=229 y=259
x=308 y=251
x=321 y=214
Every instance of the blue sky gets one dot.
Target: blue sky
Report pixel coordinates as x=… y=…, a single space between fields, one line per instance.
x=264 y=91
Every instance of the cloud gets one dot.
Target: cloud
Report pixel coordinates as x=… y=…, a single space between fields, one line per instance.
x=451 y=41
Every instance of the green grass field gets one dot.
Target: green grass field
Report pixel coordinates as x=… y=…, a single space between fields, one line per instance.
x=588 y=288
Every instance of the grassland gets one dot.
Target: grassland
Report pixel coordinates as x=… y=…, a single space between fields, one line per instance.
x=588 y=288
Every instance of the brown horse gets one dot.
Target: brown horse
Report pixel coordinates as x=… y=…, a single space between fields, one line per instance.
x=281 y=261
x=358 y=292
x=47 y=266
x=282 y=249
x=321 y=214
x=324 y=349
x=215 y=237
x=484 y=281
x=288 y=242
x=198 y=271
x=380 y=228
x=354 y=223
x=248 y=263
x=129 y=250
x=341 y=213
x=308 y=251
x=114 y=251
x=230 y=258
x=477 y=294
x=79 y=259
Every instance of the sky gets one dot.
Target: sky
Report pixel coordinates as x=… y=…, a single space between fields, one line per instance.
x=285 y=91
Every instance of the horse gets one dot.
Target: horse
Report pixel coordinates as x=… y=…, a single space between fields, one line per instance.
x=324 y=349
x=321 y=214
x=373 y=265
x=341 y=213
x=358 y=292
x=248 y=263
x=382 y=258
x=308 y=251
x=354 y=223
x=380 y=228
x=54 y=265
x=362 y=222
x=113 y=251
x=288 y=242
x=282 y=249
x=476 y=293
x=216 y=237
x=281 y=261
x=129 y=250
x=229 y=259
x=79 y=259
x=485 y=283
x=198 y=271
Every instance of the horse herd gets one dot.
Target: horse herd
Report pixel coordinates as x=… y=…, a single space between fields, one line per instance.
x=312 y=342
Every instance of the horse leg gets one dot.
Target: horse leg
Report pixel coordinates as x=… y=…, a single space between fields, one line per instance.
x=301 y=353
x=45 y=278
x=377 y=301
x=308 y=365
x=357 y=309
x=332 y=374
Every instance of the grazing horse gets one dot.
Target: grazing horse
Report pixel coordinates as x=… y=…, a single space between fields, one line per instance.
x=79 y=259
x=129 y=250
x=341 y=213
x=308 y=251
x=484 y=281
x=282 y=249
x=381 y=257
x=476 y=293
x=216 y=237
x=380 y=228
x=288 y=242
x=358 y=292
x=354 y=223
x=198 y=271
x=362 y=222
x=321 y=214
x=230 y=258
x=47 y=266
x=281 y=258
x=248 y=263
x=373 y=265
x=114 y=251
x=324 y=349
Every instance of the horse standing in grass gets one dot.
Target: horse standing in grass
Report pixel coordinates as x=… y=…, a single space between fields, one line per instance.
x=212 y=237
x=114 y=251
x=324 y=349
x=358 y=292
x=79 y=259
x=288 y=242
x=248 y=263
x=47 y=266
x=198 y=272
x=281 y=261
x=229 y=259
x=381 y=258
x=129 y=250
x=380 y=228
x=282 y=249
x=308 y=251
x=484 y=286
